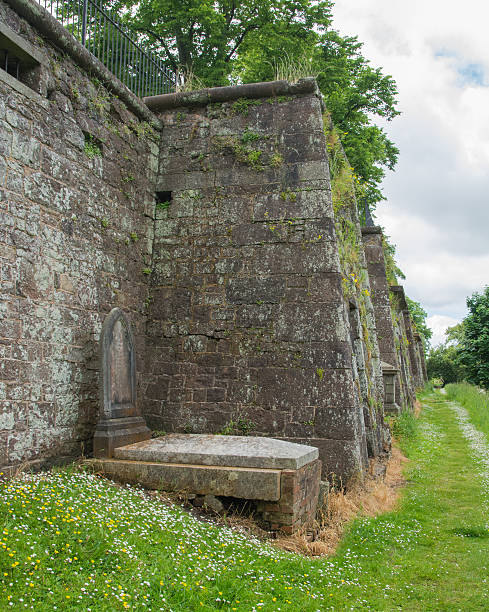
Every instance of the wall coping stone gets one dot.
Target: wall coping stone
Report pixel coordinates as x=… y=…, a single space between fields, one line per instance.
x=387 y=368
x=52 y=29
x=374 y=229
x=23 y=45
x=202 y=97
x=399 y=291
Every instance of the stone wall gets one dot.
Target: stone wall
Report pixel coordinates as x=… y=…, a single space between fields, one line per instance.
x=357 y=294
x=77 y=172
x=399 y=347
x=208 y=218
x=248 y=329
x=403 y=335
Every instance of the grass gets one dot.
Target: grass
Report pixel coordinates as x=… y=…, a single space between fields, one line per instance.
x=70 y=540
x=475 y=401
x=405 y=426
x=293 y=69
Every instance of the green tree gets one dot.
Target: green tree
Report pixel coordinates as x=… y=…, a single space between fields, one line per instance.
x=475 y=349
x=444 y=362
x=204 y=38
x=456 y=335
x=418 y=315
x=354 y=92
x=228 y=41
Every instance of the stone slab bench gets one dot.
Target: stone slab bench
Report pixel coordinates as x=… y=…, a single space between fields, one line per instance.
x=282 y=477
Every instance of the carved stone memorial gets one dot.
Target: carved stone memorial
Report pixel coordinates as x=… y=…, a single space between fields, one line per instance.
x=120 y=421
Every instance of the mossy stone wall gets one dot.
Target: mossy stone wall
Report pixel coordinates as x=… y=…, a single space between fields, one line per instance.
x=77 y=175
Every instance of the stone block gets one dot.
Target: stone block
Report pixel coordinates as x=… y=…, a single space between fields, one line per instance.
x=311 y=323
x=240 y=482
x=236 y=451
x=254 y=290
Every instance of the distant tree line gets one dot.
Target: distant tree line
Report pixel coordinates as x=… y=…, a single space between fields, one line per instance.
x=465 y=354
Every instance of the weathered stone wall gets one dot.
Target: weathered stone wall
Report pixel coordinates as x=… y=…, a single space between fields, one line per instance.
x=420 y=356
x=397 y=343
x=77 y=172
x=248 y=328
x=402 y=334
x=357 y=294
x=253 y=304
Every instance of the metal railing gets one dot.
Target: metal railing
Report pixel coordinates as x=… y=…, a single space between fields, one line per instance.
x=114 y=44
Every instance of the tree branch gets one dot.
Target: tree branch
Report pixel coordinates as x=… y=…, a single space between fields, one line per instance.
x=163 y=43
x=240 y=40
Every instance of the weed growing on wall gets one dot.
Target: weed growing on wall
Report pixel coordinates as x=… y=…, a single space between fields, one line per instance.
x=238 y=146
x=92 y=148
x=241 y=426
x=242 y=105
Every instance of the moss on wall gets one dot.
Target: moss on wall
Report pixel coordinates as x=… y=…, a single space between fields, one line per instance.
x=345 y=188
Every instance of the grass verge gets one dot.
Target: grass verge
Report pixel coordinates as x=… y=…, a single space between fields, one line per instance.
x=70 y=540
x=474 y=400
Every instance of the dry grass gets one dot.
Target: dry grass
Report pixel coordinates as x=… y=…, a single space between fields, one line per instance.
x=372 y=497
x=187 y=80
x=292 y=69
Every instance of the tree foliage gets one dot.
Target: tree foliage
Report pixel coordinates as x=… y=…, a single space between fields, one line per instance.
x=444 y=362
x=227 y=41
x=355 y=91
x=418 y=315
x=205 y=38
x=474 y=353
x=465 y=354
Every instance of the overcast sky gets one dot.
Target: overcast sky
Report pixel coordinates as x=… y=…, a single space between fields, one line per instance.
x=437 y=209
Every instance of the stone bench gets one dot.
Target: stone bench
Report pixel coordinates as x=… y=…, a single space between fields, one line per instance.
x=281 y=477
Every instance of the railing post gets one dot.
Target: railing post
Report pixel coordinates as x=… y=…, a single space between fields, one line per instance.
x=84 y=22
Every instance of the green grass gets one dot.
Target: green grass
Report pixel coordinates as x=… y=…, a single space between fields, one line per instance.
x=405 y=427
x=475 y=401
x=73 y=541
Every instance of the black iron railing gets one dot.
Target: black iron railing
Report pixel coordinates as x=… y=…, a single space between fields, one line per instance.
x=114 y=44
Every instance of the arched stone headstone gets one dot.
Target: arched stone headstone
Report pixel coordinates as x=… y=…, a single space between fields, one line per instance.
x=120 y=421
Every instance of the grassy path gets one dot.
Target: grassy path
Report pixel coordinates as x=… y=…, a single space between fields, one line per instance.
x=446 y=564
x=71 y=541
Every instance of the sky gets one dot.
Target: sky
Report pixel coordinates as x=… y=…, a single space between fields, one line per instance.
x=437 y=209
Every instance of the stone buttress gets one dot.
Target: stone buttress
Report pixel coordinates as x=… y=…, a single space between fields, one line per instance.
x=248 y=329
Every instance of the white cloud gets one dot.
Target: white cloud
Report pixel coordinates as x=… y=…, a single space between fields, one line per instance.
x=438 y=324
x=438 y=198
